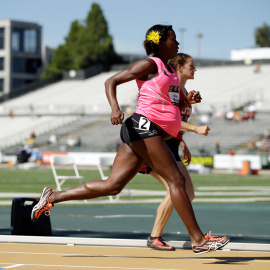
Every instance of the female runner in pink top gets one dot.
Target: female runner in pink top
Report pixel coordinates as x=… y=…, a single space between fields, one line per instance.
x=159 y=98
x=185 y=69
x=144 y=139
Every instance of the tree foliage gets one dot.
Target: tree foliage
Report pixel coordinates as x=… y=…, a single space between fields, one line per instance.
x=61 y=60
x=86 y=44
x=262 y=36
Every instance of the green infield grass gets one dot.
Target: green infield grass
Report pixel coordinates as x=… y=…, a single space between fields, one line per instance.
x=33 y=181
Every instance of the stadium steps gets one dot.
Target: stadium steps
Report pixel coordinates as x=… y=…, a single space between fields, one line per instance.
x=231 y=135
x=219 y=86
x=17 y=130
x=96 y=133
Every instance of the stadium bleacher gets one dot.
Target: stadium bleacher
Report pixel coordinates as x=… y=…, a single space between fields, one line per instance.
x=71 y=96
x=232 y=86
x=232 y=136
x=80 y=107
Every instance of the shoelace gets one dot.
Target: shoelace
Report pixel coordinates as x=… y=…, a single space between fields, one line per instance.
x=47 y=212
x=208 y=236
x=162 y=241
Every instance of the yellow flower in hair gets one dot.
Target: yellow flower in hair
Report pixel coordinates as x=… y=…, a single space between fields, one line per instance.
x=154 y=36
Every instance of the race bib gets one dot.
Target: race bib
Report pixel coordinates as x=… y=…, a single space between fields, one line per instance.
x=174 y=95
x=144 y=123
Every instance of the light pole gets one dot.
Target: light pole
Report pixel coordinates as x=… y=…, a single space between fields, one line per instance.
x=182 y=30
x=199 y=36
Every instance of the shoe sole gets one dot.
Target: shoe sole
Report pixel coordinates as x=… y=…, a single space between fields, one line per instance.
x=161 y=248
x=209 y=250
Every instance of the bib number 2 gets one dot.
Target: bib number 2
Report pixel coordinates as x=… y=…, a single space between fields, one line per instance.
x=144 y=123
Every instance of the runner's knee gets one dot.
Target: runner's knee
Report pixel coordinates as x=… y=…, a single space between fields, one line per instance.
x=177 y=178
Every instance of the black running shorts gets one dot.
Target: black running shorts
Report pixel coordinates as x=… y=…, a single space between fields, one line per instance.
x=137 y=127
x=173 y=145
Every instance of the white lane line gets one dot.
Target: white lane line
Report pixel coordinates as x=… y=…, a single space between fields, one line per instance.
x=92 y=267
x=18 y=194
x=45 y=253
x=238 y=260
x=117 y=243
x=230 y=200
x=100 y=202
x=12 y=266
x=243 y=193
x=155 y=201
x=110 y=216
x=235 y=188
x=118 y=216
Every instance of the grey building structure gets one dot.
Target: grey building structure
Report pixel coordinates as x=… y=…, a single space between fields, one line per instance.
x=20 y=54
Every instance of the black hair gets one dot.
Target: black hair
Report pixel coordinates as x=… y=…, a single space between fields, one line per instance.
x=149 y=45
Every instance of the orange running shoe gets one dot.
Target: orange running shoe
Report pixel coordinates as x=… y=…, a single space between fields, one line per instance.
x=159 y=243
x=211 y=243
x=43 y=205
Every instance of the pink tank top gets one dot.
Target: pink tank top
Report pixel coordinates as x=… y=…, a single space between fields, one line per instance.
x=159 y=99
